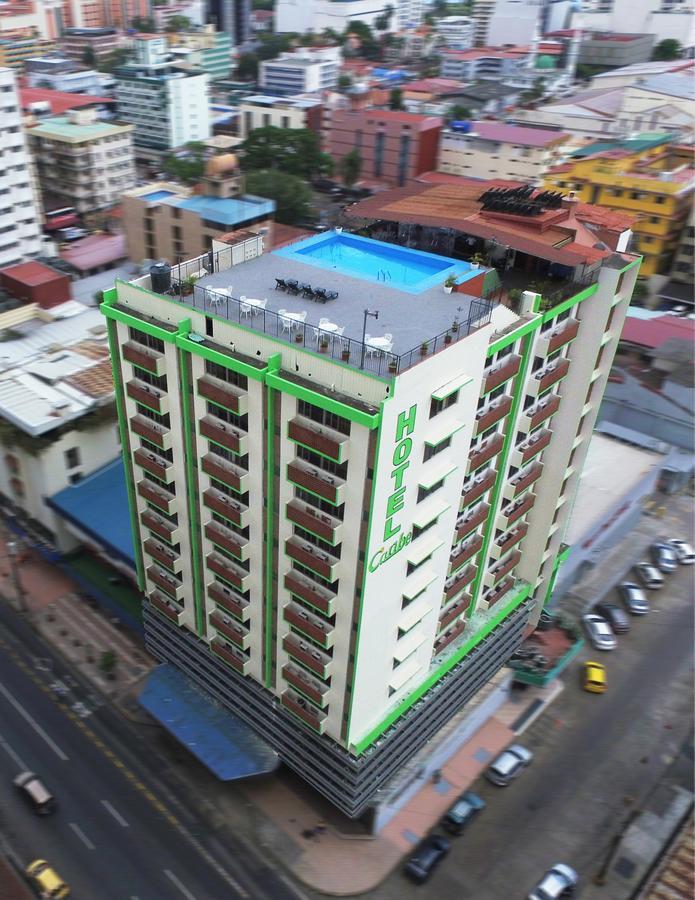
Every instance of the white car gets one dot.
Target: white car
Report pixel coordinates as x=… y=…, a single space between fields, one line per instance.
x=508 y=765
x=557 y=882
x=600 y=632
x=649 y=575
x=683 y=551
x=634 y=598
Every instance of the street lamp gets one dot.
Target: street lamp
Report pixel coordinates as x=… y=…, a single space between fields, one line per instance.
x=367 y=312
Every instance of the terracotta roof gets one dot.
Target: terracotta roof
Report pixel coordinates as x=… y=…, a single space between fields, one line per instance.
x=32 y=273
x=61 y=101
x=653 y=333
x=517 y=134
x=96 y=382
x=91 y=349
x=287 y=234
x=486 y=53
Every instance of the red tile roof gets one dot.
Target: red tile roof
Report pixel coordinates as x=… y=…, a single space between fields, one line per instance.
x=96 y=250
x=32 y=273
x=653 y=333
x=60 y=101
x=517 y=134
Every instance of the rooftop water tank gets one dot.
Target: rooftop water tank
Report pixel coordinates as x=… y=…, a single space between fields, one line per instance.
x=160 y=277
x=460 y=125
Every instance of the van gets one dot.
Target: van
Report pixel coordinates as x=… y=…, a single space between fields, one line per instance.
x=35 y=792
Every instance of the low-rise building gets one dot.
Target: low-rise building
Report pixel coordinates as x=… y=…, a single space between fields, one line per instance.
x=82 y=161
x=308 y=70
x=483 y=62
x=497 y=150
x=41 y=103
x=260 y=111
x=62 y=74
x=609 y=49
x=205 y=48
x=458 y=32
x=636 y=73
x=94 y=44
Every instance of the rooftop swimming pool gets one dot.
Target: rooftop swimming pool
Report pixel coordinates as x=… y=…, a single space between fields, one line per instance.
x=157 y=195
x=400 y=268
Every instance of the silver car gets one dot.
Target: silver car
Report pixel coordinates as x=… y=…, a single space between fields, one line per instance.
x=557 y=882
x=650 y=576
x=634 y=598
x=508 y=765
x=600 y=632
x=664 y=557
x=683 y=550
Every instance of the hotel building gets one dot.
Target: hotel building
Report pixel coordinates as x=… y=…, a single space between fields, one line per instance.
x=342 y=540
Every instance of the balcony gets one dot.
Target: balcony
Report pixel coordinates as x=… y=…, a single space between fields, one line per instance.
x=315 y=520
x=549 y=375
x=144 y=393
x=227 y=472
x=144 y=357
x=484 y=451
x=475 y=487
x=458 y=582
x=224 y=434
x=561 y=334
x=522 y=480
x=465 y=552
x=166 y=581
x=306 y=653
x=163 y=554
x=223 y=394
x=313 y=626
x=226 y=506
x=326 y=441
x=234 y=657
x=449 y=613
x=538 y=413
x=514 y=511
x=324 y=484
x=229 y=601
x=233 y=631
x=296 y=704
x=160 y=526
x=153 y=493
x=308 y=590
x=306 y=684
x=508 y=540
x=166 y=606
x=227 y=539
x=491 y=597
x=466 y=524
x=501 y=569
x=151 y=431
x=312 y=557
x=500 y=372
x=532 y=446
x=226 y=569
x=449 y=636
x=156 y=465
x=487 y=416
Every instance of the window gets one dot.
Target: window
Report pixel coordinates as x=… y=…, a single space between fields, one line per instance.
x=75 y=477
x=418 y=530
x=437 y=406
x=433 y=450
x=225 y=374
x=72 y=457
x=378 y=153
x=426 y=492
x=323 y=417
x=413 y=566
x=146 y=340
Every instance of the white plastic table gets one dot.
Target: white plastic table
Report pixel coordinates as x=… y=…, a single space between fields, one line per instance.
x=380 y=343
x=298 y=318
x=329 y=327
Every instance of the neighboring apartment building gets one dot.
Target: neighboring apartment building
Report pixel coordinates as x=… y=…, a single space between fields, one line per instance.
x=394 y=146
x=649 y=176
x=307 y=70
x=684 y=259
x=458 y=32
x=20 y=216
x=499 y=22
x=168 y=221
x=317 y=15
x=496 y=150
x=205 y=48
x=260 y=111
x=16 y=48
x=483 y=62
x=80 y=43
x=233 y=17
x=62 y=74
x=82 y=161
x=661 y=18
x=343 y=547
x=609 y=50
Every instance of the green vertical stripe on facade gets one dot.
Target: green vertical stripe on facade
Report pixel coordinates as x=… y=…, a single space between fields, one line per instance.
x=273 y=366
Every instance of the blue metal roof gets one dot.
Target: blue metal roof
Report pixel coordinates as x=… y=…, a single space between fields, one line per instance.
x=222 y=742
x=227 y=211
x=98 y=505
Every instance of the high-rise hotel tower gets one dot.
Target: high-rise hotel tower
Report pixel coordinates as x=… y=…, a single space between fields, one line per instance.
x=345 y=523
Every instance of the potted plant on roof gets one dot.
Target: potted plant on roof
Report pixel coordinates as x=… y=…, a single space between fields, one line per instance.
x=447 y=338
x=323 y=345
x=188 y=284
x=449 y=284
x=424 y=347
x=298 y=337
x=477 y=260
x=345 y=354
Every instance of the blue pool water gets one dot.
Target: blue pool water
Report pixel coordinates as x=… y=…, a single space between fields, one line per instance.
x=396 y=267
x=157 y=195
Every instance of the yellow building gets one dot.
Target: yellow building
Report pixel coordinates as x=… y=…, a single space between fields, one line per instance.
x=18 y=46
x=650 y=175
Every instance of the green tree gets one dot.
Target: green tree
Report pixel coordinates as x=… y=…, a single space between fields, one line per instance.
x=89 y=57
x=188 y=168
x=350 y=167
x=247 y=67
x=369 y=46
x=396 y=98
x=108 y=662
x=344 y=82
x=382 y=23
x=112 y=60
x=667 y=49
x=145 y=25
x=296 y=151
x=178 y=23
x=458 y=111
x=271 y=45
x=291 y=195
x=536 y=92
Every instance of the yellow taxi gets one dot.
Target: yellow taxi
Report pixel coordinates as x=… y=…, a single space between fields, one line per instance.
x=594 y=677
x=50 y=885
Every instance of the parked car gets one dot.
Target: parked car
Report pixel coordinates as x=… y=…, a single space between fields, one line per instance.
x=560 y=881
x=614 y=615
x=428 y=855
x=683 y=551
x=35 y=792
x=594 y=677
x=47 y=880
x=600 y=632
x=650 y=576
x=634 y=598
x=71 y=234
x=462 y=813
x=664 y=557
x=509 y=765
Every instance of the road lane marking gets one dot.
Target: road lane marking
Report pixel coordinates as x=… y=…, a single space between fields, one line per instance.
x=82 y=836
x=115 y=813
x=7 y=747
x=182 y=887
x=34 y=724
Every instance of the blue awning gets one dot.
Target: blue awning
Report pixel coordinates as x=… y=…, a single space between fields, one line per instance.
x=221 y=741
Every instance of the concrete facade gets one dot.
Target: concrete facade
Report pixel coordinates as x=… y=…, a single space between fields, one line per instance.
x=304 y=71
x=260 y=111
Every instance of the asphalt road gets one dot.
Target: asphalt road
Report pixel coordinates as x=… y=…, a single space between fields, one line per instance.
x=117 y=833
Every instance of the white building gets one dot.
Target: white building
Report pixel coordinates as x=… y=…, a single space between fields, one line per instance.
x=500 y=22
x=316 y=15
x=62 y=74
x=664 y=19
x=307 y=70
x=458 y=32
x=261 y=110
x=20 y=216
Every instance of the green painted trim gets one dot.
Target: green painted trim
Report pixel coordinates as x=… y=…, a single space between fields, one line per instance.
x=455 y=658
x=134 y=322
x=274 y=363
x=503 y=458
x=125 y=453
x=279 y=383
x=194 y=528
x=514 y=336
x=569 y=303
x=183 y=342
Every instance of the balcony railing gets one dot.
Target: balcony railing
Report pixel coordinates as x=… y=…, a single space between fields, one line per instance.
x=171 y=585
x=549 y=375
x=226 y=569
x=163 y=554
x=329 y=528
x=523 y=479
x=306 y=684
x=156 y=465
x=491 y=597
x=538 y=413
x=150 y=396
x=151 y=431
x=227 y=472
x=227 y=539
x=484 y=451
x=306 y=711
x=223 y=433
x=144 y=357
x=157 y=495
x=318 y=481
x=326 y=441
x=313 y=557
x=306 y=653
x=166 y=606
x=469 y=522
x=233 y=631
x=226 y=506
x=458 y=582
x=449 y=613
x=449 y=636
x=233 y=656
x=159 y=525
x=514 y=511
x=308 y=590
x=509 y=540
x=223 y=394
x=487 y=416
x=561 y=334
x=229 y=601
x=475 y=487
x=500 y=372
x=532 y=446
x=503 y=568
x=465 y=552
x=312 y=625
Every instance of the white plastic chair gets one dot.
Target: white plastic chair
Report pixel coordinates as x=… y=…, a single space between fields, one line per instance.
x=284 y=322
x=245 y=308
x=370 y=349
x=317 y=331
x=389 y=338
x=339 y=334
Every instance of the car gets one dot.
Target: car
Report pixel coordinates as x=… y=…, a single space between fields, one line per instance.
x=664 y=557
x=683 y=550
x=560 y=881
x=35 y=792
x=47 y=880
x=428 y=855
x=462 y=813
x=600 y=632
x=594 y=677
x=650 y=576
x=614 y=615
x=634 y=598
x=509 y=765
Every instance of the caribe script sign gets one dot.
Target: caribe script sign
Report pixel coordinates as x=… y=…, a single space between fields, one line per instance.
x=401 y=453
